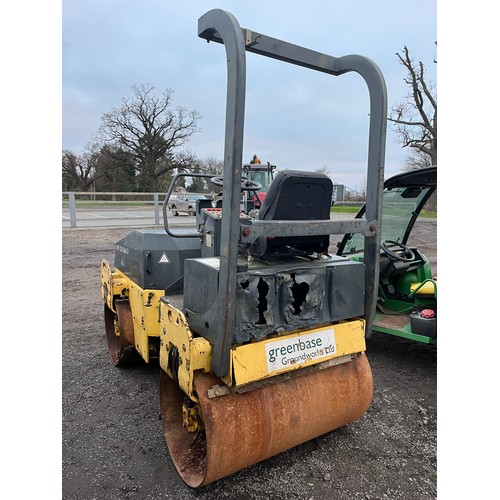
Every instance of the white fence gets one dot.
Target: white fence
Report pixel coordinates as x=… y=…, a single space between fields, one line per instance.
x=75 y=201
x=77 y=208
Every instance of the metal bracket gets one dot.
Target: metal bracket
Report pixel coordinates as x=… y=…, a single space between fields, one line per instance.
x=217 y=390
x=254 y=229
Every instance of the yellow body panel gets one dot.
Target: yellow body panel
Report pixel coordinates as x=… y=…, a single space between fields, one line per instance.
x=194 y=353
x=256 y=361
x=144 y=305
x=113 y=283
x=267 y=358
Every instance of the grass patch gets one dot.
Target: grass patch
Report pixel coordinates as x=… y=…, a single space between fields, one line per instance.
x=344 y=210
x=428 y=214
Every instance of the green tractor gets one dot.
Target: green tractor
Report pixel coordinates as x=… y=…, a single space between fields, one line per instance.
x=407 y=289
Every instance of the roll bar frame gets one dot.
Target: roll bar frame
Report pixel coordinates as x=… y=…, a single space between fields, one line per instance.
x=220 y=26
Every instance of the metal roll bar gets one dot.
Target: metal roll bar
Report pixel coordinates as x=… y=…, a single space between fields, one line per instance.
x=220 y=26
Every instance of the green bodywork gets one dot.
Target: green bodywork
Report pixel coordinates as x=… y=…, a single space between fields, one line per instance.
x=401 y=283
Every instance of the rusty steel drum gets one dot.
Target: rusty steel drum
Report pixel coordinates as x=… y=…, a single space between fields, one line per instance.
x=121 y=347
x=243 y=429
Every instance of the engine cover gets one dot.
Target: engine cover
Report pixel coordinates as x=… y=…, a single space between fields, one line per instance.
x=276 y=298
x=154 y=260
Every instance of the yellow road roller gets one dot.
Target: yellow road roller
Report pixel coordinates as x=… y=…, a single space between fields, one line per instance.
x=258 y=329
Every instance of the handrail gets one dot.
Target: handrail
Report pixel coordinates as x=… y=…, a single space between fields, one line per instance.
x=186 y=234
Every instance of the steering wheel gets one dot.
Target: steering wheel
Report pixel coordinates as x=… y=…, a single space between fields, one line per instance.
x=246 y=184
x=406 y=254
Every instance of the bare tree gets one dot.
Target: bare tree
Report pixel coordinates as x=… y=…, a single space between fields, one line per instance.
x=152 y=133
x=209 y=166
x=415 y=119
x=323 y=170
x=79 y=171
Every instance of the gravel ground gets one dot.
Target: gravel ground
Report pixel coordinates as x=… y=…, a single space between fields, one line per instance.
x=112 y=441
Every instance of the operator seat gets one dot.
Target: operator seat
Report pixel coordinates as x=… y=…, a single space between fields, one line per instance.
x=296 y=195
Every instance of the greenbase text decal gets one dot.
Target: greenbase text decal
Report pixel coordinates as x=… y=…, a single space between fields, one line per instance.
x=296 y=351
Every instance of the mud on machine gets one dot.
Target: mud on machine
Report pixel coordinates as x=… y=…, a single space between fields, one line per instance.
x=265 y=349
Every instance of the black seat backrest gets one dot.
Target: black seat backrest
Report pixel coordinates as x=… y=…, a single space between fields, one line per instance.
x=297 y=195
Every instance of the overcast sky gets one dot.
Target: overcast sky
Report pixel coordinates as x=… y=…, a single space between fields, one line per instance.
x=295 y=118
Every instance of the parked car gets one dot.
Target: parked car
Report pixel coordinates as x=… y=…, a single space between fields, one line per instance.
x=185 y=202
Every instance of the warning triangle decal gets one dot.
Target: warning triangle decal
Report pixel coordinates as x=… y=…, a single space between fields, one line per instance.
x=163 y=259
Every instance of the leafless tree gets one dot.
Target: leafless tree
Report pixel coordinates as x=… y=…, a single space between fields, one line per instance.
x=323 y=170
x=152 y=133
x=79 y=171
x=210 y=166
x=415 y=119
